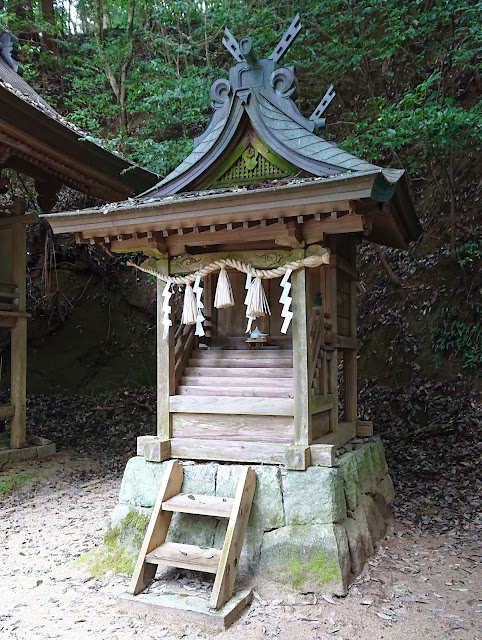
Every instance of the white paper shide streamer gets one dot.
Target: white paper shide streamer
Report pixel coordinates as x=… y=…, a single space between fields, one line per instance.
x=166 y=309
x=286 y=300
x=198 y=290
x=246 y=301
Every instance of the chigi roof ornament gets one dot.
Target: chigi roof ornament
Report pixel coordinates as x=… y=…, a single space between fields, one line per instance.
x=257 y=132
x=282 y=80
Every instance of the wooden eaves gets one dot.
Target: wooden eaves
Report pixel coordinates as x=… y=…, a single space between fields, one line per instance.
x=338 y=204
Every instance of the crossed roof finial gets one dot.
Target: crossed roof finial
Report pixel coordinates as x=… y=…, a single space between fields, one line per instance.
x=232 y=45
x=242 y=51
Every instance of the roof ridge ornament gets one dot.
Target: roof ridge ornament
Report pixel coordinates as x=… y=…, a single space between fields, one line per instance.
x=287 y=40
x=322 y=105
x=231 y=44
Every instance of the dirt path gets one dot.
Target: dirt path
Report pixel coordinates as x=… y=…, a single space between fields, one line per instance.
x=418 y=585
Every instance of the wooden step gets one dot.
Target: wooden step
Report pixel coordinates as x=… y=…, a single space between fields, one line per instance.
x=236 y=392
x=185 y=556
x=243 y=372
x=234 y=363
x=200 y=505
x=236 y=381
x=247 y=354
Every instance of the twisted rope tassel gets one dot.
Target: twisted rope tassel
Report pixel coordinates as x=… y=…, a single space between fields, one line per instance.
x=224 y=293
x=258 y=305
x=189 y=309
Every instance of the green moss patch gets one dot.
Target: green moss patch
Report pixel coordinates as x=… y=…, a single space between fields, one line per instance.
x=317 y=570
x=16 y=481
x=112 y=555
x=108 y=558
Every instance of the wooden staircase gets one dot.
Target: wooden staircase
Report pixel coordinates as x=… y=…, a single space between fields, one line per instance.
x=222 y=562
x=265 y=374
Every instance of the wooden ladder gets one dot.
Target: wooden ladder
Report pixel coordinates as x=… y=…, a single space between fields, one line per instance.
x=223 y=562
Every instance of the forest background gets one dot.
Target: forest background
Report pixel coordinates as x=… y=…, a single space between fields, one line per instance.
x=136 y=75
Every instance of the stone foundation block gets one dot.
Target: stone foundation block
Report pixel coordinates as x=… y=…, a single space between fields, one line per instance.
x=307 y=557
x=351 y=483
x=315 y=496
x=267 y=511
x=311 y=529
x=366 y=471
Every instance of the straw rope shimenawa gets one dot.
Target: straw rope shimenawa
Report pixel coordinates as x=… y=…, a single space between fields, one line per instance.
x=217 y=265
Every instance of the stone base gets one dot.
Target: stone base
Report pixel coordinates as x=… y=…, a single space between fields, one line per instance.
x=193 y=608
x=8 y=456
x=311 y=530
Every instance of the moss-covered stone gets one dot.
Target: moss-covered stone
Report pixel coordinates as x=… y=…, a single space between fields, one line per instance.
x=351 y=482
x=108 y=557
x=366 y=474
x=316 y=569
x=305 y=556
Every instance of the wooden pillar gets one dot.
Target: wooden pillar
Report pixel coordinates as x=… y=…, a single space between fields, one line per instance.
x=301 y=306
x=18 y=389
x=165 y=362
x=331 y=291
x=350 y=355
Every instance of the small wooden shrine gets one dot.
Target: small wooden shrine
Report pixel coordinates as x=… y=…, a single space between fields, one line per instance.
x=259 y=226
x=37 y=142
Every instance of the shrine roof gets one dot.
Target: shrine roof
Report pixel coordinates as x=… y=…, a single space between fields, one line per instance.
x=259 y=159
x=34 y=133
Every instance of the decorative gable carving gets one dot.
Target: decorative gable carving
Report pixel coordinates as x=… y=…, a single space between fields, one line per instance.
x=250 y=167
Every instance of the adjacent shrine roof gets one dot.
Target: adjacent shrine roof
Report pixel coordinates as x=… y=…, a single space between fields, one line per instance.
x=38 y=141
x=259 y=152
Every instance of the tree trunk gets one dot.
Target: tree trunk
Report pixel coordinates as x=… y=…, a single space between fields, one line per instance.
x=125 y=66
x=48 y=14
x=393 y=276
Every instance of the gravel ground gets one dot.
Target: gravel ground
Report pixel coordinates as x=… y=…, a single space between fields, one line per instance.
x=417 y=584
x=424 y=581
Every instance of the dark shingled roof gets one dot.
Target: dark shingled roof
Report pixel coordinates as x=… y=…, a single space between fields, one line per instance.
x=23 y=109
x=262 y=96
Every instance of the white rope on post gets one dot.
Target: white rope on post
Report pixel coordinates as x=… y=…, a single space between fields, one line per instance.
x=255 y=301
x=217 y=265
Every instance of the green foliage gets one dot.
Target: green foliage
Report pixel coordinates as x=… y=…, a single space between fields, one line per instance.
x=404 y=72
x=421 y=122
x=469 y=252
x=459 y=337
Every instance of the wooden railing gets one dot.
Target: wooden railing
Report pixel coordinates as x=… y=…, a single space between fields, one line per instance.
x=320 y=336
x=184 y=340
